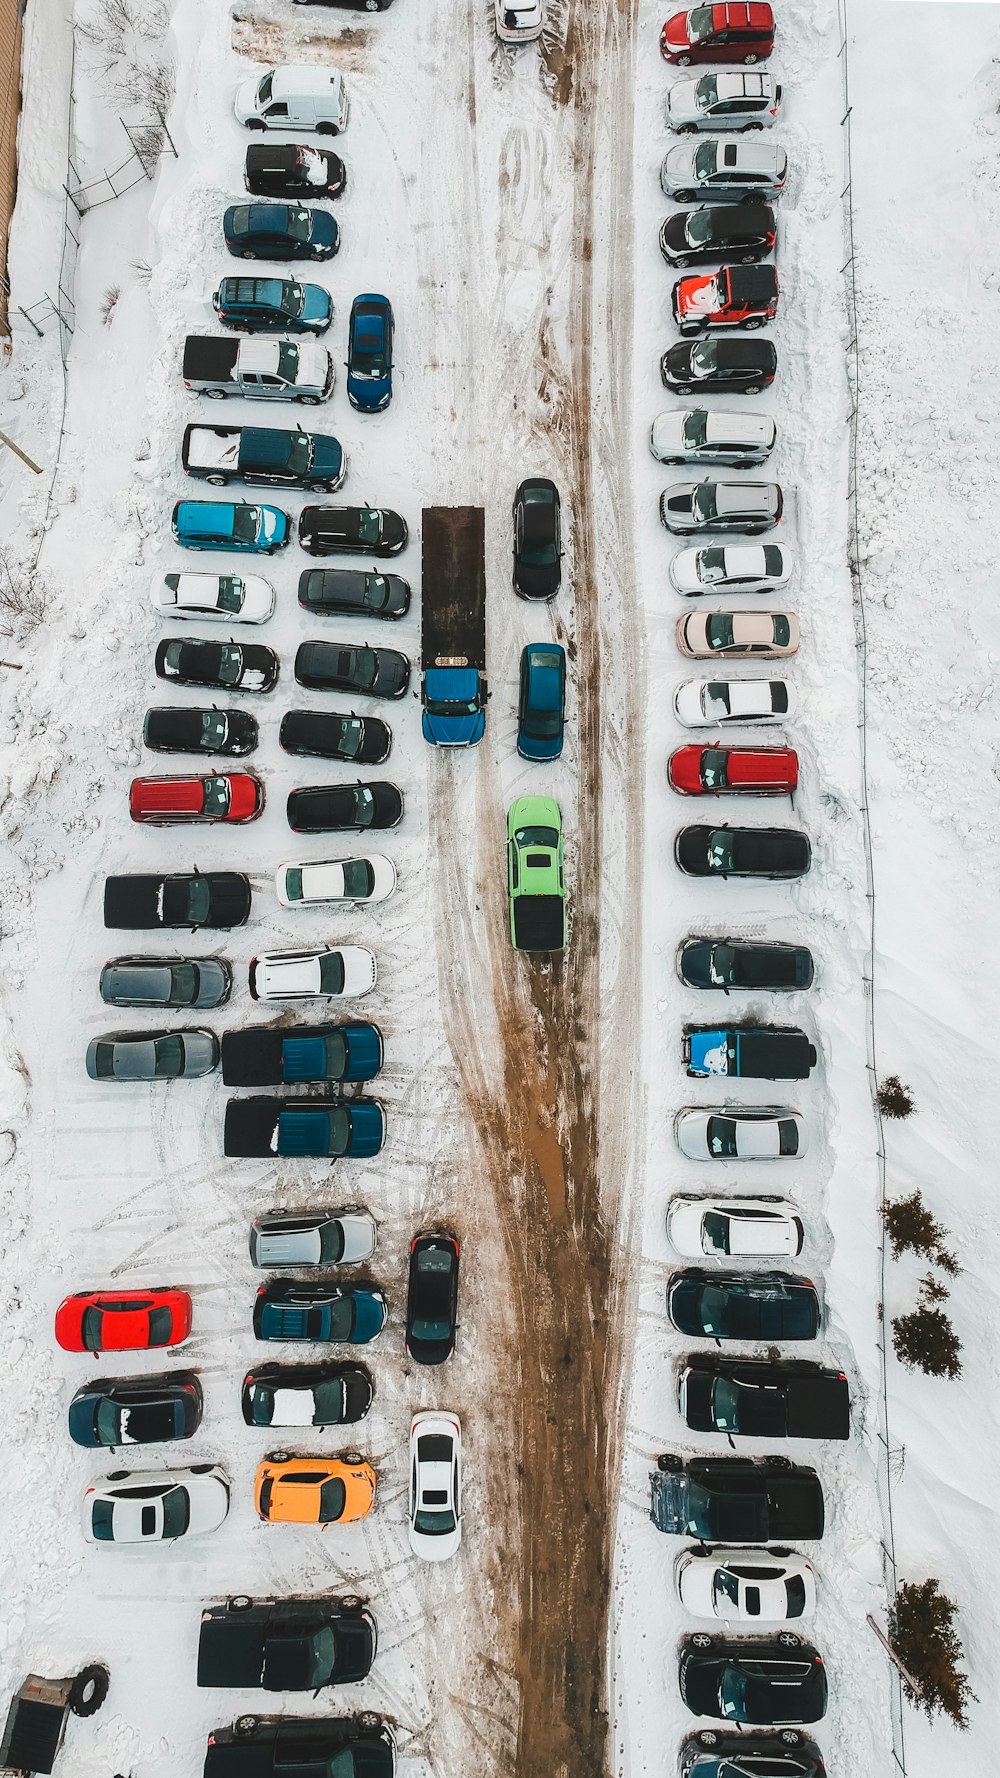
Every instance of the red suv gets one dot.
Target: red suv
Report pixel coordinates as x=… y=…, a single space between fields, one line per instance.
x=733 y=771
x=223 y=796
x=724 y=33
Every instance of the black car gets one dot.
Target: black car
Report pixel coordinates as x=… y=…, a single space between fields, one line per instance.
x=354 y=590
x=217 y=899
x=537 y=540
x=713 y=1753
x=293 y=170
x=170 y=728
x=758 y=1399
x=775 y=852
x=736 y=1499
x=286 y=1645
x=743 y=1306
x=736 y=963
x=302 y=1747
x=323 y=1394
x=370 y=530
x=741 y=232
x=734 y=367
x=775 y=1681
x=233 y=666
x=332 y=666
x=432 y=1297
x=344 y=808
x=325 y=735
x=146 y=1410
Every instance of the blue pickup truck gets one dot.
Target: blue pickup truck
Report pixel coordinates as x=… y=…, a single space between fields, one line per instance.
x=303 y=1129
x=748 y=1052
x=289 y=1055
x=263 y=457
x=453 y=689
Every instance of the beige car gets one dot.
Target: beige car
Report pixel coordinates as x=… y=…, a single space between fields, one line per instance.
x=766 y=635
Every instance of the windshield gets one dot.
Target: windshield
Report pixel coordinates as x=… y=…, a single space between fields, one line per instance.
x=246 y=523
x=713 y=769
x=291 y=298
x=725 y=1405
x=365 y=665
x=216 y=796
x=359 y=878
x=332 y=1500
x=721 y=1136
x=169 y=1053
x=725 y=1588
x=695 y=431
x=719 y=632
x=537 y=836
x=369 y=525
x=781 y=632
x=351 y=736
x=722 y=966
x=340 y=1129
x=704 y=160
x=712 y=565
x=434 y=1524
x=107 y=1422
x=331 y=973
x=298 y=223
x=364 y=806
x=230 y=664
x=324 y=1655
x=715 y=1228
x=176 y=1512
x=704 y=358
x=199 y=900
x=733 y=1695
x=697 y=233
x=336 y=1058
x=213 y=729
x=184 y=983
x=230 y=597
x=713 y=1310
x=707 y=92
x=102 y=1514
x=699 y=23
x=264 y=89
x=331 y=1240
x=90 y=1329
x=288 y=361
x=720 y=851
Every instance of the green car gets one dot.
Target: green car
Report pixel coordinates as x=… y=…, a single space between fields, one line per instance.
x=535 y=875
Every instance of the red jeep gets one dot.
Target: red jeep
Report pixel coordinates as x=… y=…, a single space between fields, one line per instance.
x=734 y=296
x=722 y=33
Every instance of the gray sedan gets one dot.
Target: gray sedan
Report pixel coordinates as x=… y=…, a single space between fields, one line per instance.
x=166 y=981
x=152 y=1055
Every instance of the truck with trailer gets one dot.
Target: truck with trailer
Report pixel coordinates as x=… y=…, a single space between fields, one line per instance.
x=748 y=1052
x=259 y=369
x=453 y=685
x=263 y=456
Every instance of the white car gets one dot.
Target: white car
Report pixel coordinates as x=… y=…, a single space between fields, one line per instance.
x=740 y=1133
x=518 y=21
x=723 y=102
x=306 y=95
x=312 y=1238
x=215 y=598
x=727 y=170
x=335 y=879
x=345 y=973
x=764 y=635
x=708 y=703
x=745 y=1228
x=155 y=1505
x=698 y=435
x=435 y=1485
x=731 y=568
x=747 y=1586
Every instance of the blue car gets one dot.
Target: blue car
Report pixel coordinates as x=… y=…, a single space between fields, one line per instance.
x=327 y=1314
x=541 y=710
x=369 y=354
x=280 y=231
x=230 y=524
x=265 y=305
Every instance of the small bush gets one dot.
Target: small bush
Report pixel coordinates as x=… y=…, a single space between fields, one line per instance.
x=24 y=601
x=912 y=1229
x=893 y=1098
x=932 y=1290
x=925 y=1340
x=143 y=270
x=109 y=303
x=923 y=1637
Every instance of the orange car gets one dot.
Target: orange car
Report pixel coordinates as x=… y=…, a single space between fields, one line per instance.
x=314 y=1490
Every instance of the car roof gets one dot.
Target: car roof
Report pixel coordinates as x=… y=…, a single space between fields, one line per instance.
x=751 y=157
x=293 y=78
x=735 y=497
x=185 y=795
x=749 y=85
x=738 y=428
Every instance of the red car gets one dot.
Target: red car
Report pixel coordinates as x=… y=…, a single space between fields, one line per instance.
x=733 y=771
x=734 y=296
x=123 y=1320
x=723 y=33
x=222 y=796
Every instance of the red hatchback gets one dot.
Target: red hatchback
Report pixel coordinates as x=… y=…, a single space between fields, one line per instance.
x=123 y=1320
x=722 y=33
x=734 y=771
x=222 y=796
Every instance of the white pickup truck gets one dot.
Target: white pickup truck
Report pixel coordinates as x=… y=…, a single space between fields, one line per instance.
x=265 y=370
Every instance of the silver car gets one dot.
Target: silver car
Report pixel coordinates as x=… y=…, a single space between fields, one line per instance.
x=688 y=508
x=724 y=101
x=152 y=1055
x=730 y=171
x=703 y=435
x=312 y=1237
x=198 y=982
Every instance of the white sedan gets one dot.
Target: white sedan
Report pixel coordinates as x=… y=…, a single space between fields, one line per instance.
x=345 y=973
x=702 y=435
x=747 y=1228
x=708 y=703
x=435 y=1485
x=518 y=21
x=731 y=568
x=335 y=879
x=740 y=1133
x=747 y=1586
x=155 y=1506
x=219 y=598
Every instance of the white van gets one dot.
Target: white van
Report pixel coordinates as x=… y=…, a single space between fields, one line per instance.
x=294 y=98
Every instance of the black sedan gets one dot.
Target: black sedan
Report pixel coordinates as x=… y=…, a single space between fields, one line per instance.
x=285 y=1645
x=146 y=1410
x=758 y=1399
x=233 y=666
x=218 y=900
x=306 y=1394
x=293 y=170
x=172 y=729
x=324 y=735
x=743 y=1306
x=775 y=1681
x=737 y=232
x=733 y=367
x=737 y=963
x=331 y=666
x=344 y=808
x=537 y=540
x=432 y=1297
x=368 y=530
x=354 y=590
x=715 y=1754
x=775 y=852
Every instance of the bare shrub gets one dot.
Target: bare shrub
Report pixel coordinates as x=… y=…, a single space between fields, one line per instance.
x=926 y=1340
x=143 y=270
x=24 y=601
x=124 y=41
x=922 y=1634
x=893 y=1098
x=912 y=1229
x=109 y=302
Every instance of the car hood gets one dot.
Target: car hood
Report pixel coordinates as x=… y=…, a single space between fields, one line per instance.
x=317 y=305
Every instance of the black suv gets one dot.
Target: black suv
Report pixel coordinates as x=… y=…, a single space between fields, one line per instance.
x=770 y=1682
x=321 y=734
x=301 y=1747
x=711 y=1305
x=286 y=1645
x=537 y=540
x=775 y=852
x=354 y=590
x=171 y=728
x=734 y=367
x=293 y=170
x=332 y=666
x=736 y=963
x=736 y=1499
x=713 y=1753
x=743 y=233
x=343 y=808
x=756 y=1399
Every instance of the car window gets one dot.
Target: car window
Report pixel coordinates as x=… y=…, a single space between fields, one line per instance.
x=331 y=973
x=90 y=1329
x=332 y=1500
x=351 y=735
x=176 y=1512
x=160 y=1327
x=199 y=900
